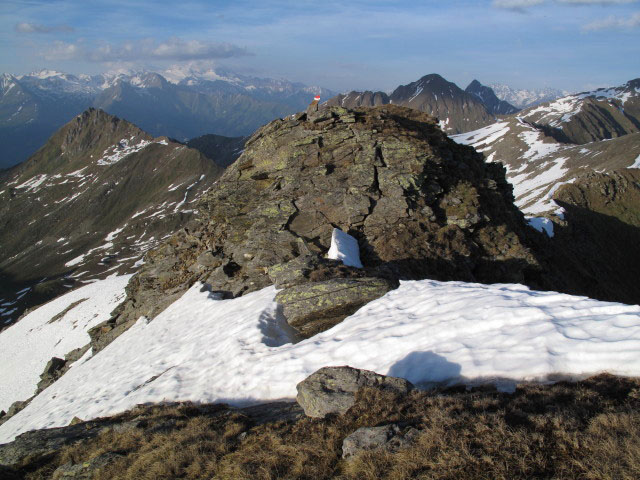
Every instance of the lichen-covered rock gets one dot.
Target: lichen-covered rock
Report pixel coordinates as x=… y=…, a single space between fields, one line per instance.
x=420 y=206
x=317 y=306
x=333 y=389
x=85 y=470
x=387 y=437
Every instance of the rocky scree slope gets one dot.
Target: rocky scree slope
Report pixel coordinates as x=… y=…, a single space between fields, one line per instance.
x=420 y=206
x=89 y=203
x=457 y=110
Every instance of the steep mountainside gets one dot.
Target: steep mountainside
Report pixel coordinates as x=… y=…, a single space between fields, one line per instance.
x=457 y=110
x=537 y=164
x=599 y=232
x=419 y=205
x=551 y=144
x=488 y=97
x=590 y=116
x=192 y=103
x=89 y=203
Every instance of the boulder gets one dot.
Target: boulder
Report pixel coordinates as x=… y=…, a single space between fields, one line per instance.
x=52 y=371
x=387 y=437
x=85 y=470
x=317 y=306
x=333 y=389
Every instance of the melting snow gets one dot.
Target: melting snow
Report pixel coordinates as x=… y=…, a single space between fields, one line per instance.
x=27 y=346
x=483 y=136
x=636 y=164
x=238 y=351
x=345 y=248
x=33 y=183
x=114 y=234
x=121 y=150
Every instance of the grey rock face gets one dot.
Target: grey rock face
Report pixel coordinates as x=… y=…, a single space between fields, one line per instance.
x=387 y=437
x=317 y=306
x=333 y=389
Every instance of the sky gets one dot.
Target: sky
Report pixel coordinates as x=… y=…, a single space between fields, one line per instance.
x=572 y=45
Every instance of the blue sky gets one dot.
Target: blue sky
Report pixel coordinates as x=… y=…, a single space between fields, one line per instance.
x=377 y=44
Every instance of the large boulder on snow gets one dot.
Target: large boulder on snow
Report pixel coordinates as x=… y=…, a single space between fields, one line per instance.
x=317 y=306
x=333 y=389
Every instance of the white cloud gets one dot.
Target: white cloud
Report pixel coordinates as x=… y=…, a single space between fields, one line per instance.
x=25 y=27
x=62 y=51
x=615 y=23
x=148 y=49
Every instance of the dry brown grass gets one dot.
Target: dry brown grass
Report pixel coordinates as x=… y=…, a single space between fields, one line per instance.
x=588 y=430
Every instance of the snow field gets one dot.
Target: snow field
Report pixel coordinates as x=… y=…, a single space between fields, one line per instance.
x=27 y=346
x=238 y=351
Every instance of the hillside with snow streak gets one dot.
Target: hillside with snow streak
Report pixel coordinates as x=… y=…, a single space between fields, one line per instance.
x=239 y=351
x=537 y=164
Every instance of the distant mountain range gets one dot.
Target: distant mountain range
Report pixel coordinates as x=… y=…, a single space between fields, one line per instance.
x=457 y=110
x=180 y=103
x=523 y=98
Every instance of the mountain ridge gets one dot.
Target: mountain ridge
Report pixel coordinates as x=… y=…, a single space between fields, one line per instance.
x=89 y=203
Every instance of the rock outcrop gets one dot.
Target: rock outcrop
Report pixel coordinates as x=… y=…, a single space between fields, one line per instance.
x=386 y=437
x=333 y=389
x=419 y=205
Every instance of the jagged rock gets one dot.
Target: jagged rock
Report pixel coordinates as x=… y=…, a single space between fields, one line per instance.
x=386 y=175
x=52 y=371
x=333 y=389
x=387 y=437
x=317 y=306
x=84 y=470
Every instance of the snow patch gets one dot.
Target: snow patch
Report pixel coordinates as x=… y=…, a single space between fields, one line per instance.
x=345 y=248
x=27 y=346
x=121 y=150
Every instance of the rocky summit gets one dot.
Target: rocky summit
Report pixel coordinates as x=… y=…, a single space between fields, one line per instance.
x=419 y=205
